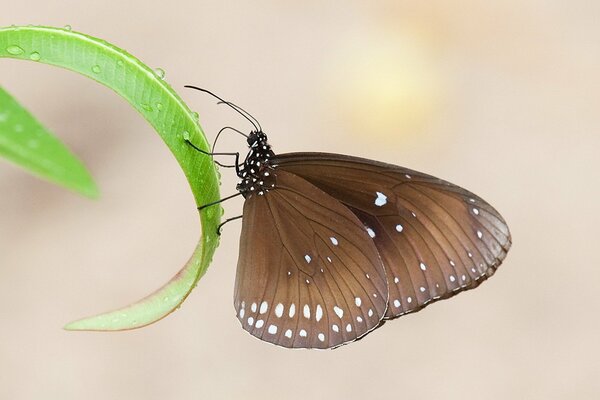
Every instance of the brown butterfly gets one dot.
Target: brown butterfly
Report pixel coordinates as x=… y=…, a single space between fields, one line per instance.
x=333 y=245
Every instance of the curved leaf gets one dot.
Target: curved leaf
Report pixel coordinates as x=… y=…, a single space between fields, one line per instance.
x=145 y=90
x=25 y=142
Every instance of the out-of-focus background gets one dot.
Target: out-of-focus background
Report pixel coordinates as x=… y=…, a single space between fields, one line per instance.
x=500 y=97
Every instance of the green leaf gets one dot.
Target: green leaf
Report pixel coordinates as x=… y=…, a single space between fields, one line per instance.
x=148 y=93
x=25 y=142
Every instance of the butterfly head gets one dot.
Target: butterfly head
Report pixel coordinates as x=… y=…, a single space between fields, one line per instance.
x=257 y=175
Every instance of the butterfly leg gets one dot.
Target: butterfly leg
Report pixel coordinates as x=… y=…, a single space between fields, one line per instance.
x=237 y=157
x=226 y=221
x=218 y=201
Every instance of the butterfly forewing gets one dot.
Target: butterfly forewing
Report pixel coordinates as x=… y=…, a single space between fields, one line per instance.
x=309 y=274
x=435 y=239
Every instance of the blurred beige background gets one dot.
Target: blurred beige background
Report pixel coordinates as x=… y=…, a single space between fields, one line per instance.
x=500 y=97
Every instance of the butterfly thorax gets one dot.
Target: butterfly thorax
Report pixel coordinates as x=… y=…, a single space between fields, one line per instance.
x=256 y=173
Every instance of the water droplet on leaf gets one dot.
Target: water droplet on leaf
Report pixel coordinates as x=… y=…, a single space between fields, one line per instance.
x=67 y=27
x=146 y=106
x=35 y=56
x=96 y=69
x=15 y=50
x=159 y=72
x=186 y=135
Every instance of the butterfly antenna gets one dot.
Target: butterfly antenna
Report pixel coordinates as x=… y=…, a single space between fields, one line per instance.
x=238 y=109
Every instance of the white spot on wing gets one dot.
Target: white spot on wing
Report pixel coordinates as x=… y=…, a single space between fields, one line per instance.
x=260 y=323
x=335 y=328
x=242 y=312
x=396 y=303
x=396 y=280
x=307 y=258
x=475 y=211
x=321 y=337
x=479 y=234
x=302 y=333
x=371 y=232
x=318 y=313
x=399 y=228
x=272 y=329
x=306 y=311
x=334 y=241
x=253 y=307
x=279 y=310
x=288 y=333
x=370 y=312
x=263 y=307
x=423 y=267
x=250 y=321
x=292 y=310
x=339 y=312
x=381 y=199
x=348 y=328
x=357 y=301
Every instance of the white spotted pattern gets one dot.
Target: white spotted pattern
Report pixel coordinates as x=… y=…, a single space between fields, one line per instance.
x=381 y=199
x=423 y=267
x=334 y=241
x=292 y=310
x=260 y=323
x=399 y=228
x=357 y=301
x=318 y=313
x=339 y=312
x=253 y=307
x=307 y=258
x=306 y=311
x=250 y=321
x=335 y=328
x=371 y=232
x=302 y=333
x=321 y=337
x=272 y=329
x=263 y=307
x=288 y=333
x=279 y=310
x=396 y=303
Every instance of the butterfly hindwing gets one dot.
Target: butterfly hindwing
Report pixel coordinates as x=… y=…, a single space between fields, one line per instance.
x=435 y=239
x=308 y=274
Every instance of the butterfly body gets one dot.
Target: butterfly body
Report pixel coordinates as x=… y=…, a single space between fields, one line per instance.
x=333 y=245
x=255 y=172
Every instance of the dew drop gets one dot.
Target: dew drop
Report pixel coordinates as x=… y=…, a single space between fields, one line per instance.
x=15 y=50
x=120 y=63
x=146 y=107
x=67 y=27
x=186 y=135
x=159 y=106
x=35 y=56
x=96 y=69
x=195 y=115
x=159 y=72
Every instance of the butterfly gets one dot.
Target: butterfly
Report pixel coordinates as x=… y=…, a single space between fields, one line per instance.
x=332 y=246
